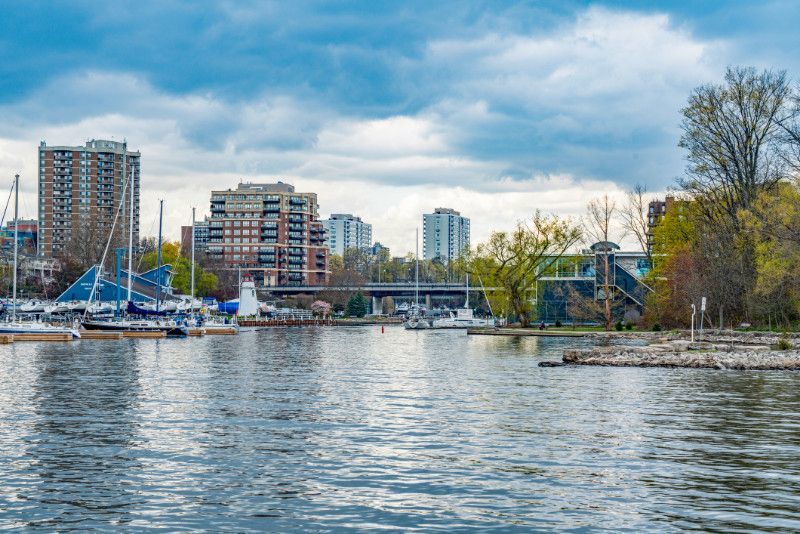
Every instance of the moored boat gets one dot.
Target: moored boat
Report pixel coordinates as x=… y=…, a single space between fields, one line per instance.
x=33 y=327
x=172 y=328
x=463 y=318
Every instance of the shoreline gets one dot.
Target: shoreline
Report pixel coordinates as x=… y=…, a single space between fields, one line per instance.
x=742 y=355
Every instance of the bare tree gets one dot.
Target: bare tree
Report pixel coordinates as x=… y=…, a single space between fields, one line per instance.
x=597 y=226
x=731 y=133
x=634 y=217
x=790 y=126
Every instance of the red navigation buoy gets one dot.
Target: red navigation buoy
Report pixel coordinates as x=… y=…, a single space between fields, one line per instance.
x=381 y=329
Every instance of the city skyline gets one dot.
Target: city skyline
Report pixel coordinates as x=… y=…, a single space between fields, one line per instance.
x=496 y=111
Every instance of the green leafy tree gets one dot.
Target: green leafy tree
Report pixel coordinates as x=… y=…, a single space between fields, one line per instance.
x=774 y=221
x=357 y=305
x=205 y=282
x=512 y=262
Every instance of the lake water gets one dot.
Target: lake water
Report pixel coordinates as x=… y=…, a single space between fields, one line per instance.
x=344 y=428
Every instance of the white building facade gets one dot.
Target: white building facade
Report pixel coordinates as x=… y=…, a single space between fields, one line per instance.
x=343 y=231
x=445 y=234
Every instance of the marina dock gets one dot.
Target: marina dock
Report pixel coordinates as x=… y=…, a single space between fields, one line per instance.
x=524 y=332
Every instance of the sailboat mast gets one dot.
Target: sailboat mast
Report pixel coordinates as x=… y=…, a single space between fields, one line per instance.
x=191 y=299
x=130 y=242
x=158 y=254
x=416 y=273
x=466 y=303
x=16 y=246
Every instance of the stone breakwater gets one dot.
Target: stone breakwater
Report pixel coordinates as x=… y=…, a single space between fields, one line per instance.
x=685 y=354
x=745 y=338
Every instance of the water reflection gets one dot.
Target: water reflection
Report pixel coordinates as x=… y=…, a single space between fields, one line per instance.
x=340 y=428
x=81 y=455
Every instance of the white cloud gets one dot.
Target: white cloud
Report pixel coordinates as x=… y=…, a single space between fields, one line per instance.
x=606 y=73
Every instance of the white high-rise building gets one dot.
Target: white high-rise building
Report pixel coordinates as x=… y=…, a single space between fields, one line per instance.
x=445 y=234
x=343 y=231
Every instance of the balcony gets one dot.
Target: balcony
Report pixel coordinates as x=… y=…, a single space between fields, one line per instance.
x=271 y=208
x=217 y=207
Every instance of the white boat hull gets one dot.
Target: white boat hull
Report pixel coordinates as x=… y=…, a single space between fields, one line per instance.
x=20 y=327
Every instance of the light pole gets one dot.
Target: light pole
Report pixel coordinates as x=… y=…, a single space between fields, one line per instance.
x=694 y=310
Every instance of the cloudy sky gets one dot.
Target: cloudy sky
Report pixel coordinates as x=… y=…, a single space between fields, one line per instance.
x=386 y=110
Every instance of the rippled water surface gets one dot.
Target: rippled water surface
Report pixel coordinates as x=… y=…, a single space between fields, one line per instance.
x=328 y=429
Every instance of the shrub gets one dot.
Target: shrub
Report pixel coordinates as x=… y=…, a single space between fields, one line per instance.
x=629 y=326
x=618 y=326
x=784 y=343
x=656 y=327
x=558 y=323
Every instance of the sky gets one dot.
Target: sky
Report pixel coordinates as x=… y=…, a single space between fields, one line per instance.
x=386 y=110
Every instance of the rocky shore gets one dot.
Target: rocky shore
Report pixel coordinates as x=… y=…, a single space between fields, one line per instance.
x=727 y=352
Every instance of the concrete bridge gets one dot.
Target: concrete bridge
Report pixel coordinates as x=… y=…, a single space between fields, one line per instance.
x=427 y=291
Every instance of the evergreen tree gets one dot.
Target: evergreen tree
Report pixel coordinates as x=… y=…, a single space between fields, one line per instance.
x=357 y=305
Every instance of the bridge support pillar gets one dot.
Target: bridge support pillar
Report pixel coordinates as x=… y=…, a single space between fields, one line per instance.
x=377 y=305
x=428 y=300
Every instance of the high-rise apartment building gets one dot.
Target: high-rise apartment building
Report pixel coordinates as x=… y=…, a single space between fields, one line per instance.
x=445 y=234
x=80 y=190
x=343 y=231
x=201 y=233
x=271 y=231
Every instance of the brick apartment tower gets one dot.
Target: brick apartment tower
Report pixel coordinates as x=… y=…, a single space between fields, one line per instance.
x=271 y=232
x=80 y=188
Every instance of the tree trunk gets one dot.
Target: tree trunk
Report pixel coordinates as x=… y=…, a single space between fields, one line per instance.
x=606 y=296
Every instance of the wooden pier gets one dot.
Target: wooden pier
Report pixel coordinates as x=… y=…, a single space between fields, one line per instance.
x=146 y=334
x=222 y=331
x=101 y=334
x=525 y=332
x=286 y=322
x=56 y=336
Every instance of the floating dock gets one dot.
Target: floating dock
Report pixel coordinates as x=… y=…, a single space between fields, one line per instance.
x=221 y=331
x=524 y=332
x=57 y=336
x=101 y=334
x=146 y=334
x=264 y=323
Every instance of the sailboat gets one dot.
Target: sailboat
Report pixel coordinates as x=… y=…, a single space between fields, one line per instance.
x=211 y=324
x=416 y=316
x=463 y=318
x=26 y=327
x=172 y=327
